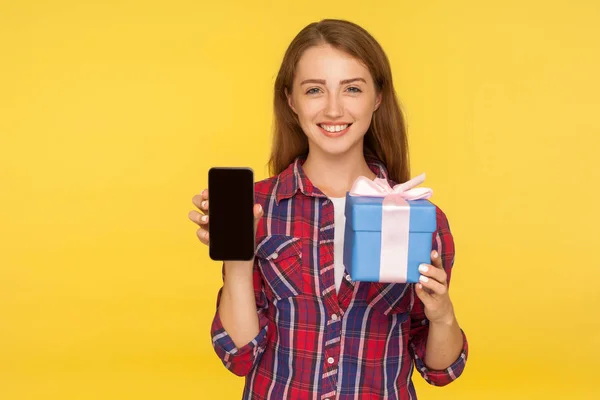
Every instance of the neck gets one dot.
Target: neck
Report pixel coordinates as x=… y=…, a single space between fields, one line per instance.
x=334 y=175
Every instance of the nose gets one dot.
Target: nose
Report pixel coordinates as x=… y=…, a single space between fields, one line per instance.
x=334 y=107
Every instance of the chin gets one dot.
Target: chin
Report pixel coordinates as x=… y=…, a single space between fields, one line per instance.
x=337 y=149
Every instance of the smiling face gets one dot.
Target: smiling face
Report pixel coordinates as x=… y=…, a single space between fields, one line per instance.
x=334 y=97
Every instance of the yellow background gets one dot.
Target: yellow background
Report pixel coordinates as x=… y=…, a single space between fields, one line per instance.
x=111 y=114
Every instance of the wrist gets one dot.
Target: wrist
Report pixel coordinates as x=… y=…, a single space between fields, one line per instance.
x=447 y=320
x=238 y=268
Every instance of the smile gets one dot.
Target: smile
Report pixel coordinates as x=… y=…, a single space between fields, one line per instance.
x=334 y=130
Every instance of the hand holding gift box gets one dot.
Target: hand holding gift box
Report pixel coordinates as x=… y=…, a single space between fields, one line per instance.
x=388 y=231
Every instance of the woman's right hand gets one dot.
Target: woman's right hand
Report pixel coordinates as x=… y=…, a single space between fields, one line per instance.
x=200 y=216
x=237 y=306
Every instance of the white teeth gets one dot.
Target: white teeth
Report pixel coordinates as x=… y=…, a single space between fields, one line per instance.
x=334 y=128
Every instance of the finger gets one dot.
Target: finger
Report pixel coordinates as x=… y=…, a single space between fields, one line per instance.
x=432 y=272
x=423 y=293
x=198 y=218
x=426 y=290
x=201 y=200
x=197 y=200
x=202 y=235
x=436 y=259
x=435 y=286
x=204 y=206
x=258 y=213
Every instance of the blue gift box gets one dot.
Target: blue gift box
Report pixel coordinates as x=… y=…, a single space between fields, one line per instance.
x=362 y=237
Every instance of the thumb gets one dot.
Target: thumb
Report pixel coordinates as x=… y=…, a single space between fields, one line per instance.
x=258 y=213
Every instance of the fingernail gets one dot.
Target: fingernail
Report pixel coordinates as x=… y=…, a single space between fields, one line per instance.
x=423 y=278
x=204 y=218
x=420 y=286
x=423 y=268
x=259 y=208
x=204 y=204
x=435 y=254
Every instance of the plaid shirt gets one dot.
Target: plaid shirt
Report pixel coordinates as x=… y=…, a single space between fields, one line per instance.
x=315 y=343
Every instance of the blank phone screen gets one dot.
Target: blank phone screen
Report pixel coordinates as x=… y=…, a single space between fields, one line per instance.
x=230 y=213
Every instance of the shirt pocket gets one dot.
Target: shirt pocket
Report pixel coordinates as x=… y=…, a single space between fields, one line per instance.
x=280 y=261
x=391 y=298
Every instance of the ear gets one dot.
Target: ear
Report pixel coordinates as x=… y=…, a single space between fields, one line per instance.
x=377 y=102
x=290 y=101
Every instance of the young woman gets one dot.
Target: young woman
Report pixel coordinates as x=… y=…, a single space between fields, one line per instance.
x=292 y=321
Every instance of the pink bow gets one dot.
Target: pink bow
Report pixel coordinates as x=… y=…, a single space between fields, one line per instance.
x=364 y=186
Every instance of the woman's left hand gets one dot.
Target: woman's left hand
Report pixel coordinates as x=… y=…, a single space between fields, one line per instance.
x=432 y=289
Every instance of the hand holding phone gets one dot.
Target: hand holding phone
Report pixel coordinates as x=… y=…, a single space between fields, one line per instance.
x=228 y=212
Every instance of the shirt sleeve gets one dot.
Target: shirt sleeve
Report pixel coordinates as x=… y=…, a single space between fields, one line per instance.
x=242 y=360
x=444 y=244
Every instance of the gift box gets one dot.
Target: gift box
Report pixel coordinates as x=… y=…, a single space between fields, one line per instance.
x=388 y=231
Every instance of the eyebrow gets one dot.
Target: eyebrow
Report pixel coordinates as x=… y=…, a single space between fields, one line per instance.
x=322 y=81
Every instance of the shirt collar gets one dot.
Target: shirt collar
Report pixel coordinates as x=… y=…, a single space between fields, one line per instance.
x=293 y=179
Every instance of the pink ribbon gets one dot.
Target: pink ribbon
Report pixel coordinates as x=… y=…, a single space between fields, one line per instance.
x=395 y=221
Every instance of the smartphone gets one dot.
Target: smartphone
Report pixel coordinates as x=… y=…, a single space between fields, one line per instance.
x=230 y=213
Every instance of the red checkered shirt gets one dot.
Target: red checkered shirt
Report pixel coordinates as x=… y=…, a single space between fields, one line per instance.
x=362 y=342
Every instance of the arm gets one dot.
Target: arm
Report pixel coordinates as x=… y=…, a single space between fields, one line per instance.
x=237 y=305
x=240 y=326
x=438 y=344
x=444 y=344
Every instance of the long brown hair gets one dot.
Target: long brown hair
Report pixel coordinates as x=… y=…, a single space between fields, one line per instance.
x=386 y=138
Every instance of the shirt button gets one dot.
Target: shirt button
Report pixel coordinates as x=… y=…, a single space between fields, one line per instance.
x=275 y=255
x=334 y=317
x=348 y=278
x=330 y=360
